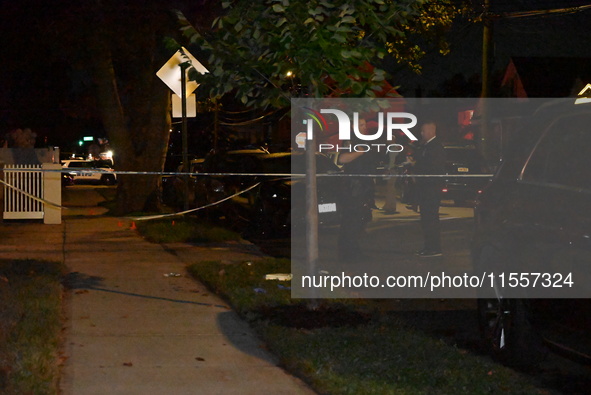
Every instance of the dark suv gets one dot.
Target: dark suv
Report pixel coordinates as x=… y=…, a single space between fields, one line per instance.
x=533 y=238
x=257 y=188
x=466 y=174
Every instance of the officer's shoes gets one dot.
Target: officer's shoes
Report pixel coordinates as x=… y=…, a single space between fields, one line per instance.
x=428 y=253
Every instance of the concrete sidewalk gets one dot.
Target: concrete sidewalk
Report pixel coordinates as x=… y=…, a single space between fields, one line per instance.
x=134 y=327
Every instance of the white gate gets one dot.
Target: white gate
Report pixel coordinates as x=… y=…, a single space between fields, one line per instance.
x=18 y=205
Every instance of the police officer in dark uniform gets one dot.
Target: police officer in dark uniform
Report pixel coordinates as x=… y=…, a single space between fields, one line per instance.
x=357 y=200
x=430 y=160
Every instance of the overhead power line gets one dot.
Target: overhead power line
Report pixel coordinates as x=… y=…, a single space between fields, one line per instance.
x=548 y=12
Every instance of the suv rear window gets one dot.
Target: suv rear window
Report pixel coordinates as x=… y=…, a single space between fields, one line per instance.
x=460 y=154
x=466 y=158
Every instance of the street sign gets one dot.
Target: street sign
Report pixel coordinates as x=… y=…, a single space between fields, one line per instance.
x=584 y=95
x=174 y=73
x=177 y=106
x=170 y=73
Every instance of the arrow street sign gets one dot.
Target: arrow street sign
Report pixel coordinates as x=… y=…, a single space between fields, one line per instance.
x=170 y=73
x=174 y=73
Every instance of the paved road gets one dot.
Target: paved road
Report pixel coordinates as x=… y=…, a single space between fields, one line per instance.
x=84 y=200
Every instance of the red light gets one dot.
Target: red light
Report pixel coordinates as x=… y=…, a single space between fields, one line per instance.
x=444 y=190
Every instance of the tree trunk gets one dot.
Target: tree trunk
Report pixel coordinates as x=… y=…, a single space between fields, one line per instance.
x=148 y=140
x=136 y=121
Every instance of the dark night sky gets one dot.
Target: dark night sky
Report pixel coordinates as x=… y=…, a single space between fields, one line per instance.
x=43 y=85
x=542 y=36
x=34 y=79
x=34 y=82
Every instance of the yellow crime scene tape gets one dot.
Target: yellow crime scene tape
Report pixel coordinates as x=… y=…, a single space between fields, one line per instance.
x=195 y=209
x=47 y=202
x=285 y=175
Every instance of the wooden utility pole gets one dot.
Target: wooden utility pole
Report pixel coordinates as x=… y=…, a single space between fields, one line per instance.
x=486 y=49
x=487 y=43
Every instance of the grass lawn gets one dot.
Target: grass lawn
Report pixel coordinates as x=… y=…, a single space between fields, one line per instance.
x=348 y=346
x=30 y=326
x=180 y=230
x=341 y=346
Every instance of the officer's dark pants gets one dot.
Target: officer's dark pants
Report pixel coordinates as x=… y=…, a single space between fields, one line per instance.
x=355 y=214
x=429 y=202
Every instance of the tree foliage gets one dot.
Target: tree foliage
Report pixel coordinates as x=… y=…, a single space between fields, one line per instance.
x=266 y=52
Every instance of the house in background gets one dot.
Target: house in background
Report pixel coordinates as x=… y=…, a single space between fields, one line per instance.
x=529 y=77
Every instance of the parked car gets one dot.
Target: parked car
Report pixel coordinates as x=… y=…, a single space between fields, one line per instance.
x=91 y=170
x=465 y=170
x=173 y=189
x=533 y=221
x=278 y=200
x=173 y=193
x=463 y=160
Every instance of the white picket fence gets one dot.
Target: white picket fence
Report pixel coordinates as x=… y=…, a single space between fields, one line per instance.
x=27 y=182
x=17 y=205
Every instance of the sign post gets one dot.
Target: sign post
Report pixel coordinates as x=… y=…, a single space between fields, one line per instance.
x=174 y=74
x=185 y=137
